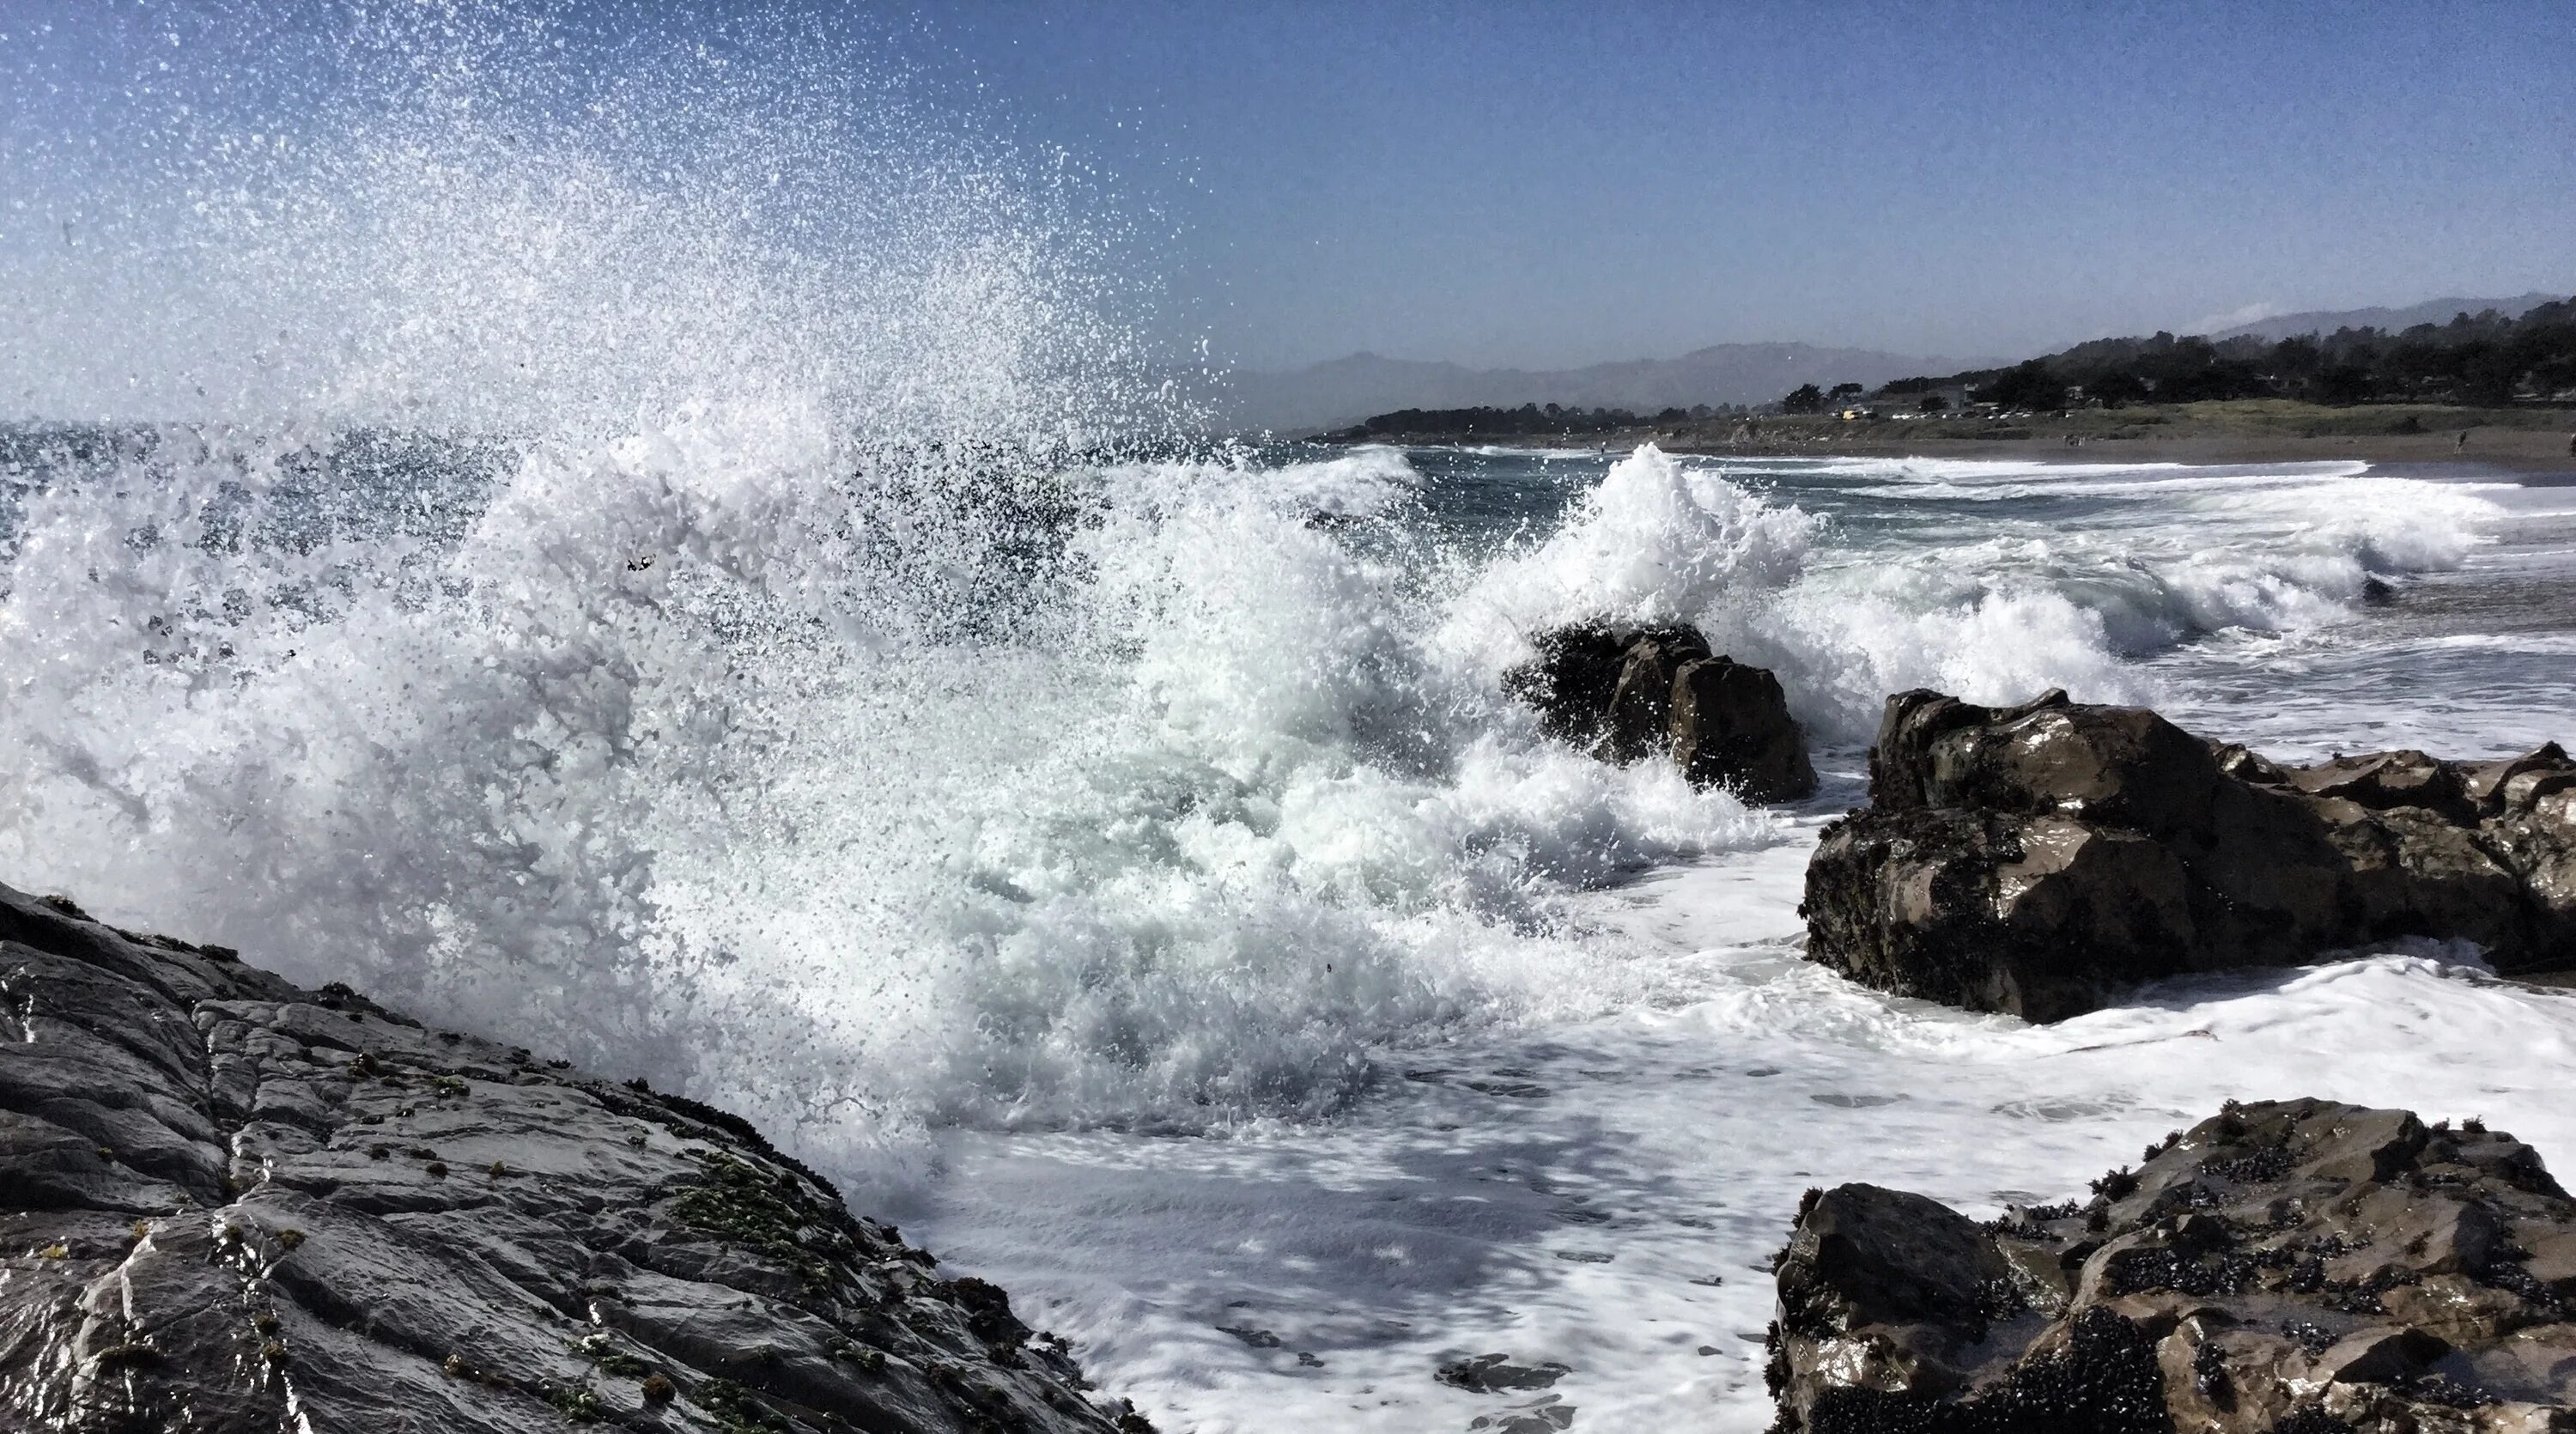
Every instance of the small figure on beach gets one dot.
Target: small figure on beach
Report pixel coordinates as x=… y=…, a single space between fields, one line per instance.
x=2463 y=444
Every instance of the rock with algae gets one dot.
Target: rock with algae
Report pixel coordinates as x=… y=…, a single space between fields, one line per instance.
x=228 y=1203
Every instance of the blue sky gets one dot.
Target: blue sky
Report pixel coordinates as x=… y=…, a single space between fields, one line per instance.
x=1508 y=183
x=1547 y=184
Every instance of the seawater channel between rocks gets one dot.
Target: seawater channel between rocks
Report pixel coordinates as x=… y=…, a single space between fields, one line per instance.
x=1434 y=1223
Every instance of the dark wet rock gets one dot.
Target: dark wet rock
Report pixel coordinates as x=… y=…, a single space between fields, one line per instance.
x=1731 y=727
x=1625 y=694
x=1585 y=686
x=1642 y=704
x=2033 y=859
x=1547 y=1414
x=1486 y=1373
x=228 y=1203
x=2293 y=1265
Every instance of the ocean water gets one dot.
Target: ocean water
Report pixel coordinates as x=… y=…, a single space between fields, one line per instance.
x=1598 y=1178
x=1149 y=894
x=669 y=549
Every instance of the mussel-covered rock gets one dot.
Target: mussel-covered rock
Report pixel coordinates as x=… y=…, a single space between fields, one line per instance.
x=2295 y=1265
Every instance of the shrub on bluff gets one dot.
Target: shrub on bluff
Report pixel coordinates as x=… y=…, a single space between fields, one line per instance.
x=1625 y=695
x=230 y=1204
x=2293 y=1267
x=2033 y=859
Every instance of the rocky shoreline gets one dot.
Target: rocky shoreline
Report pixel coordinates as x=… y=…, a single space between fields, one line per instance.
x=2293 y=1267
x=2039 y=859
x=2297 y=1267
x=2289 y=1268
x=235 y=1204
x=238 y=1205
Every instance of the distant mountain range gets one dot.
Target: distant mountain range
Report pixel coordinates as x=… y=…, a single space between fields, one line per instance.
x=1340 y=392
x=2431 y=311
x=1343 y=391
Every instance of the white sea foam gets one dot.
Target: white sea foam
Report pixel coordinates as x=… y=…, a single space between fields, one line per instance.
x=1654 y=541
x=660 y=766
x=2002 y=610
x=1608 y=1194
x=1366 y=482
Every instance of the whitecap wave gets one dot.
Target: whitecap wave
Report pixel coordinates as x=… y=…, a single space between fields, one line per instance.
x=2092 y=569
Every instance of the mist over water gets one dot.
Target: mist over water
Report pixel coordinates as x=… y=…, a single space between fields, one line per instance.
x=550 y=221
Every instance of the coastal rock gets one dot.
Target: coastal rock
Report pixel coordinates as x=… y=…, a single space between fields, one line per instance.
x=2033 y=859
x=2294 y=1265
x=1730 y=726
x=228 y=1203
x=1625 y=694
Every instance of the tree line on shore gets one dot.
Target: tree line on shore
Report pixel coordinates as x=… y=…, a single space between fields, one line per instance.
x=2484 y=360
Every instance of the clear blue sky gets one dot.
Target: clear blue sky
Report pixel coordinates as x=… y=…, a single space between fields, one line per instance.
x=1556 y=184
x=1546 y=184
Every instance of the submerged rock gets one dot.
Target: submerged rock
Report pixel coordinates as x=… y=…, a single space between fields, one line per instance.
x=228 y=1203
x=1627 y=694
x=2032 y=859
x=1486 y=1373
x=2294 y=1265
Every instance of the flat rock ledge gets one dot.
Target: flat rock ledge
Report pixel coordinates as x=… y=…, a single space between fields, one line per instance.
x=1625 y=694
x=2293 y=1267
x=2036 y=859
x=228 y=1203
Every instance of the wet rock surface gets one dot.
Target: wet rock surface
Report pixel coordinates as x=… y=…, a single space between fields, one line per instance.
x=227 y=1203
x=2034 y=859
x=1628 y=694
x=2294 y=1267
x=1486 y=1373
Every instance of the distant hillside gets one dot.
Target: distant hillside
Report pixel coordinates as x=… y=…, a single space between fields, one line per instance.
x=1345 y=390
x=2477 y=357
x=2431 y=311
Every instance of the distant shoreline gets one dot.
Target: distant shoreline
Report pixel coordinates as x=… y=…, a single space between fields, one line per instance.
x=2507 y=450
x=2525 y=442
